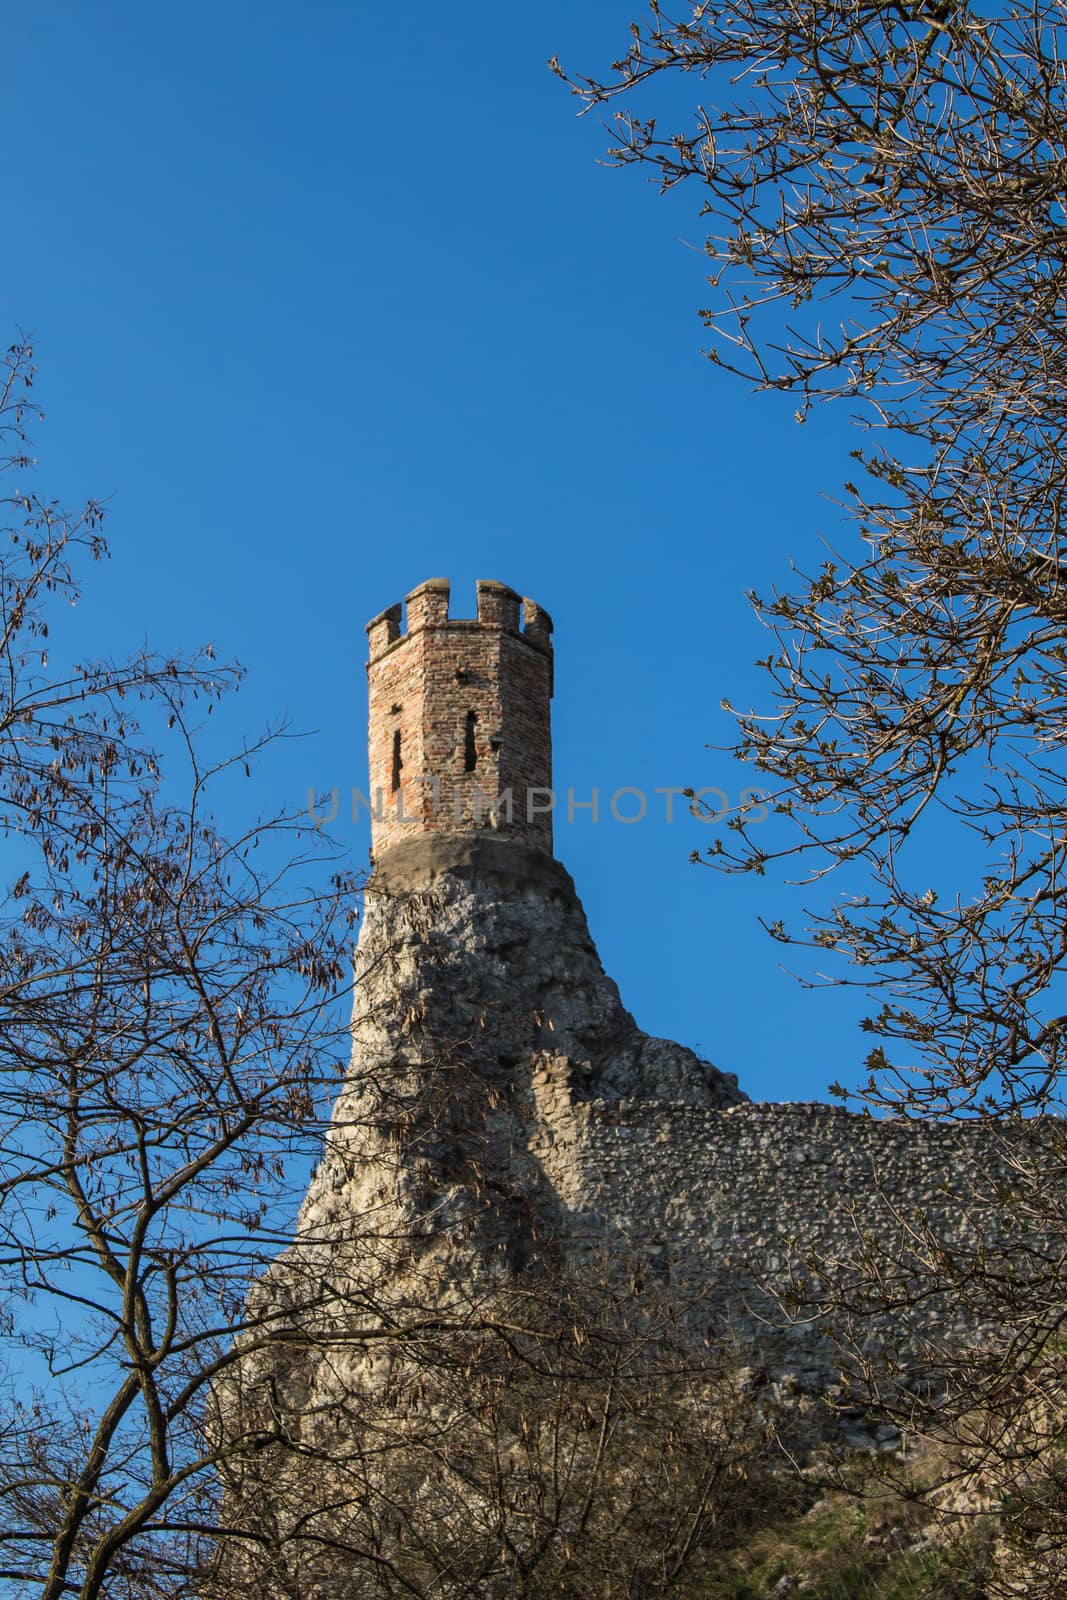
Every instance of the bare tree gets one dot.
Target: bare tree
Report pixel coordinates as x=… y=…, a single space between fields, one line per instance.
x=166 y=1039
x=883 y=190
x=560 y=1437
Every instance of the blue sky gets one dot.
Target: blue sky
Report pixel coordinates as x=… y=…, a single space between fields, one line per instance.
x=332 y=299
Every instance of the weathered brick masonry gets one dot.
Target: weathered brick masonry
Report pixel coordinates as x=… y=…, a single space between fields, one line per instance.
x=460 y=734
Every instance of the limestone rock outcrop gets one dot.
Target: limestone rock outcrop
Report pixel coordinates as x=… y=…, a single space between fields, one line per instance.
x=482 y=1016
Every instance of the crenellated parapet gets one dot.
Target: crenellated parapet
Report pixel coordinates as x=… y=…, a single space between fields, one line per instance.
x=428 y=607
x=460 y=732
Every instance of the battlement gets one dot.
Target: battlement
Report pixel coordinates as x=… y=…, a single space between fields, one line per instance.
x=428 y=606
x=460 y=735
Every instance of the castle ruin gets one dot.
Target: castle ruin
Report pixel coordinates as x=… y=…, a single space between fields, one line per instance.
x=503 y=1113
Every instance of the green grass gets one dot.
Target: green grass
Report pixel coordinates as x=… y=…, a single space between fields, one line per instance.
x=839 y=1549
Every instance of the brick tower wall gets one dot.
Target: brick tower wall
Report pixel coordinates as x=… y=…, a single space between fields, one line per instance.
x=460 y=718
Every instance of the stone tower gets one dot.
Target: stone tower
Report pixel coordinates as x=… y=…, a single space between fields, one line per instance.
x=502 y=1107
x=480 y=1000
x=505 y=1125
x=460 y=737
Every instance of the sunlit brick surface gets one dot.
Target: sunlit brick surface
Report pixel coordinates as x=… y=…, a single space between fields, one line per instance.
x=460 y=718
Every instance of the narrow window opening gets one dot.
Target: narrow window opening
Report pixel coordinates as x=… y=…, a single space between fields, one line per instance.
x=397 y=760
x=470 y=754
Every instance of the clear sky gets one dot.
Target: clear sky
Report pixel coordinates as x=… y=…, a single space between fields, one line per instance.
x=333 y=298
